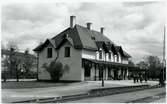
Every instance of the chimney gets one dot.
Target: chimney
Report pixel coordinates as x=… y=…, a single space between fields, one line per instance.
x=72 y=21
x=102 y=30
x=89 y=25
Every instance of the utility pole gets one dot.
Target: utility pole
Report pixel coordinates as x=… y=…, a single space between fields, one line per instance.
x=164 y=60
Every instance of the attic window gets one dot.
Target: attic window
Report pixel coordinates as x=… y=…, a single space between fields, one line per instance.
x=93 y=38
x=67 y=52
x=49 y=53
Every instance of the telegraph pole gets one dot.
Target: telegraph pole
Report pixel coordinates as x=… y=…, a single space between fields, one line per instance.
x=164 y=60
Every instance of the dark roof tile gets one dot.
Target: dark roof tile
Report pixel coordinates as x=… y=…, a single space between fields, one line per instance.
x=82 y=39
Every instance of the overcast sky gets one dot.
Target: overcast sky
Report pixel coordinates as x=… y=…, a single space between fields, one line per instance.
x=136 y=26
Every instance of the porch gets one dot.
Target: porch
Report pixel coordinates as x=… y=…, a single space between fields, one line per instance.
x=96 y=70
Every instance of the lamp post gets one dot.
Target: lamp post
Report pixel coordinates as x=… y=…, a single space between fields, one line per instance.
x=102 y=78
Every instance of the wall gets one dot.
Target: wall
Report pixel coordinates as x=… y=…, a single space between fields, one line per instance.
x=42 y=73
x=74 y=62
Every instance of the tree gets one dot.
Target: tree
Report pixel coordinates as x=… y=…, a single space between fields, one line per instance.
x=152 y=64
x=131 y=63
x=56 y=70
x=28 y=63
x=142 y=65
x=5 y=64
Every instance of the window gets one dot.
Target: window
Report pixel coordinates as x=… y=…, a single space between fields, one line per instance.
x=49 y=53
x=117 y=58
x=100 y=54
x=67 y=52
x=109 y=55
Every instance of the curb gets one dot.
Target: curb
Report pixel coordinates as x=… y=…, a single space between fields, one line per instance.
x=91 y=93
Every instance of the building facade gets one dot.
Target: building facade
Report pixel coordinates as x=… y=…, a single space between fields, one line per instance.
x=89 y=54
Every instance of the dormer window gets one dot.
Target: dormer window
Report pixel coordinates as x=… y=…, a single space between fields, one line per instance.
x=109 y=55
x=100 y=54
x=118 y=58
x=67 y=52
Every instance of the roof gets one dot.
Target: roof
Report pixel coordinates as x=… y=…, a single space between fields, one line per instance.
x=112 y=48
x=113 y=64
x=82 y=38
x=41 y=46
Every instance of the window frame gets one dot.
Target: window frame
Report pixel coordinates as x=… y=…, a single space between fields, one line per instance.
x=67 y=53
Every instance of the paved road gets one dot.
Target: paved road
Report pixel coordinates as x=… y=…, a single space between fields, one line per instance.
x=126 y=97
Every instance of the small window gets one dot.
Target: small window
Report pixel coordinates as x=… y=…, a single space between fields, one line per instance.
x=100 y=54
x=49 y=53
x=67 y=51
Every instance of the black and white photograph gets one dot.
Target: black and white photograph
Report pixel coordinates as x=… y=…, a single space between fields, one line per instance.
x=83 y=52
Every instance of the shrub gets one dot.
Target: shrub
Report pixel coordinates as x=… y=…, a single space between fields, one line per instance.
x=56 y=70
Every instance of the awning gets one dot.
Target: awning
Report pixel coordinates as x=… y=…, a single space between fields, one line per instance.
x=106 y=63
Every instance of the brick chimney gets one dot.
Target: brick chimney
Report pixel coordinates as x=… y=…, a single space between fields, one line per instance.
x=102 y=30
x=72 y=21
x=89 y=25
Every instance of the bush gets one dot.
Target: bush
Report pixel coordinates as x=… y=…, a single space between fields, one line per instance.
x=56 y=70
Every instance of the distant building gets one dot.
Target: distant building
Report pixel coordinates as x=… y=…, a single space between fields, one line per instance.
x=9 y=59
x=89 y=53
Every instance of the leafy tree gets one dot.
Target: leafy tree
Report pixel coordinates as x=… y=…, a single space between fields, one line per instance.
x=142 y=65
x=153 y=65
x=131 y=63
x=56 y=70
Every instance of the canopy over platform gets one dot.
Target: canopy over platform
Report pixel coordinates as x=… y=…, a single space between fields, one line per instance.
x=110 y=64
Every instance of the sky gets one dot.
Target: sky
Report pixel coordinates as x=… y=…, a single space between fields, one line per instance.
x=137 y=26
